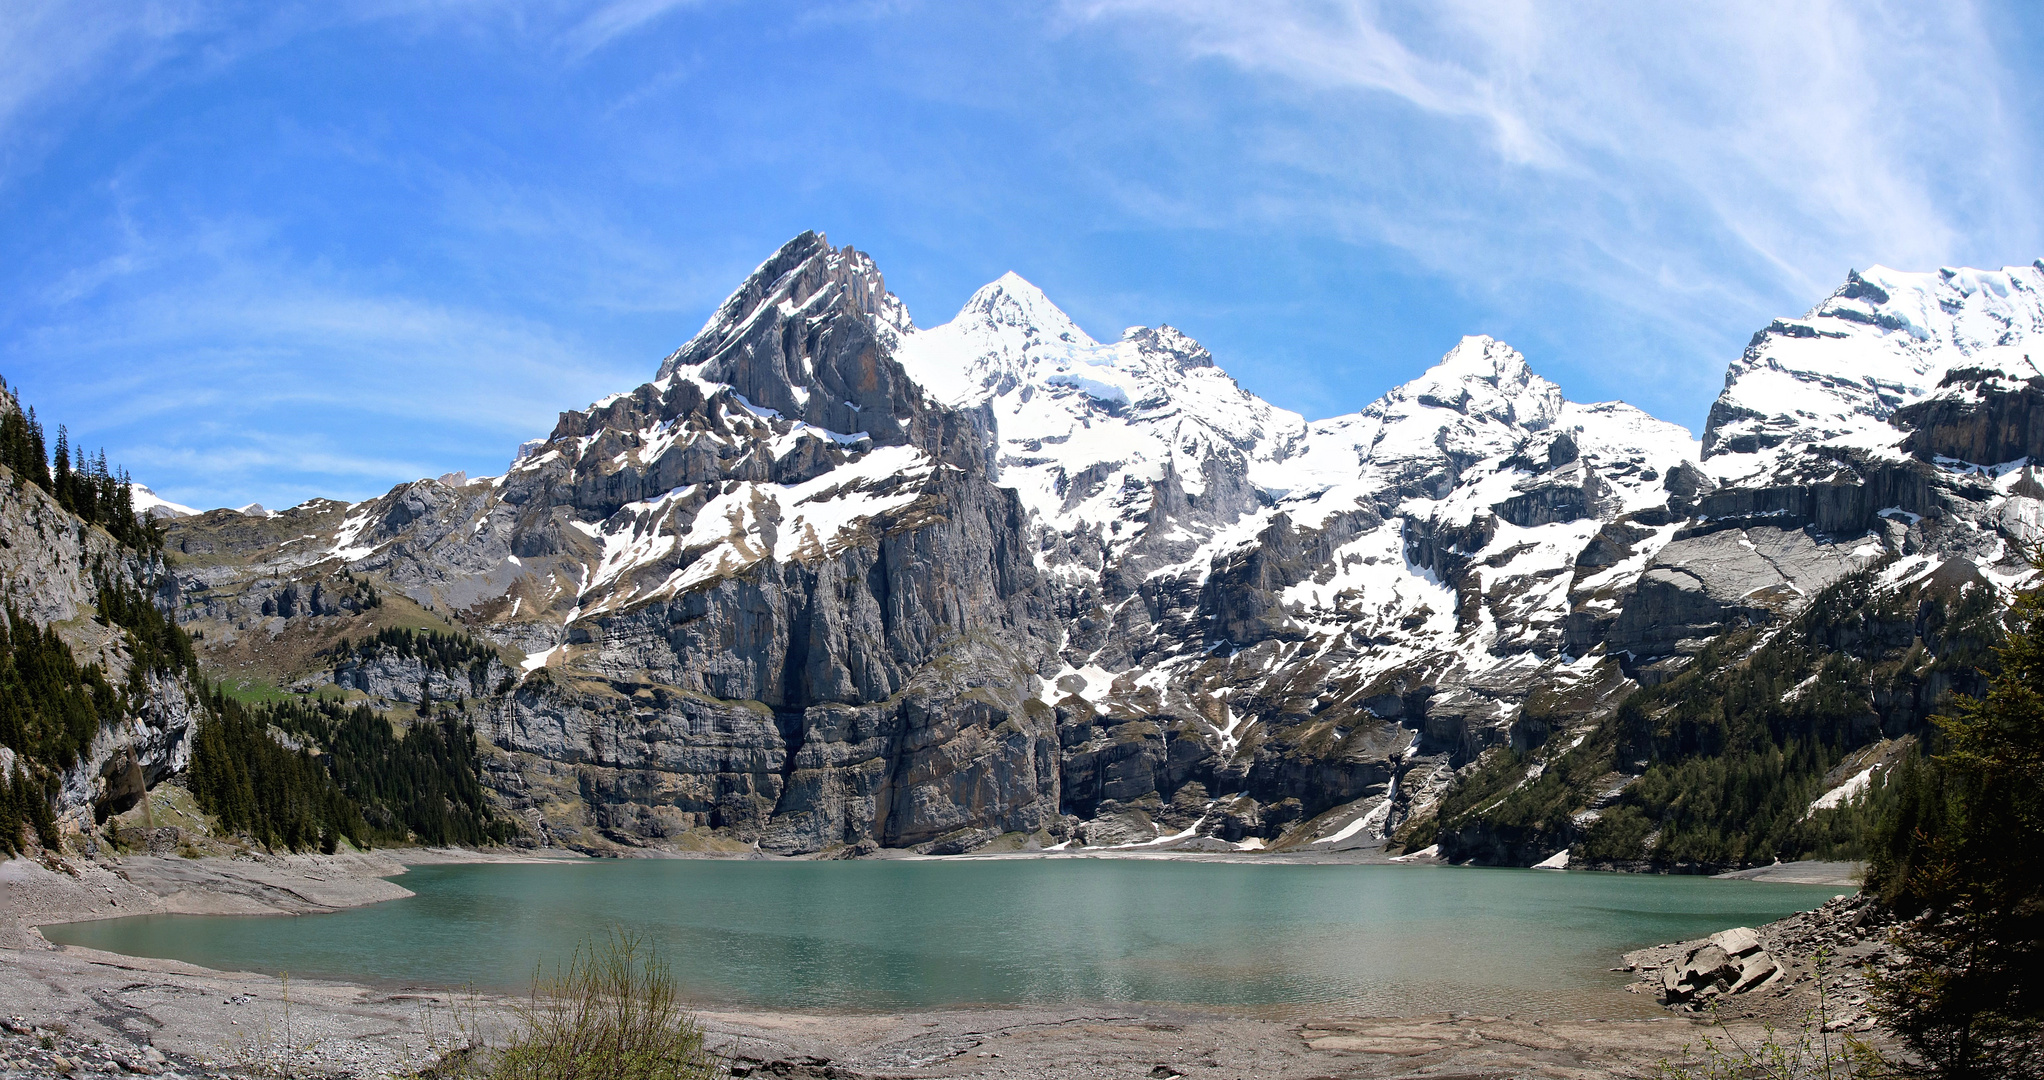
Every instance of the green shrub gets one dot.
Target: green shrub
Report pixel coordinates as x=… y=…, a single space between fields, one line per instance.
x=614 y=1014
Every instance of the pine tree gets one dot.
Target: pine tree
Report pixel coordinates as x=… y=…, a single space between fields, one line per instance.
x=1963 y=853
x=60 y=467
x=41 y=457
x=85 y=484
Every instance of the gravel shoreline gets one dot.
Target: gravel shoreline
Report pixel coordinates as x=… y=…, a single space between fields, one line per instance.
x=78 y=1011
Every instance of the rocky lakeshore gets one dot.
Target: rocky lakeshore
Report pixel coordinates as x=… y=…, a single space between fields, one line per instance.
x=1810 y=965
x=81 y=1012
x=75 y=1011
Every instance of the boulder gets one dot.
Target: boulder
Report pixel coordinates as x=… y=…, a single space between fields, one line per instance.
x=1729 y=962
x=1754 y=970
x=1738 y=941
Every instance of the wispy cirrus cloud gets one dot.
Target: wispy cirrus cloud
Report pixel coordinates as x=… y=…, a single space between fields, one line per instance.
x=52 y=52
x=240 y=234
x=1804 y=128
x=1738 y=156
x=252 y=377
x=615 y=19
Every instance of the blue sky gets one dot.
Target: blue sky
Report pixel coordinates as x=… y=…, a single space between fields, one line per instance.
x=267 y=251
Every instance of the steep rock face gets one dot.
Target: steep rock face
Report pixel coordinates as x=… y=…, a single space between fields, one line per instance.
x=1977 y=414
x=1880 y=343
x=412 y=681
x=51 y=563
x=774 y=591
x=1893 y=418
x=1379 y=567
x=831 y=579
x=864 y=593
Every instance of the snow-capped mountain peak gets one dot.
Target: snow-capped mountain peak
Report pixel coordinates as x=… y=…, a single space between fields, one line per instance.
x=1483 y=377
x=1009 y=335
x=1481 y=399
x=823 y=575
x=1012 y=301
x=149 y=504
x=1011 y=347
x=1101 y=436
x=1885 y=340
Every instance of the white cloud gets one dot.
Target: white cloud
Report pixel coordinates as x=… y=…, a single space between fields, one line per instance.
x=1739 y=155
x=52 y=51
x=238 y=374
x=1804 y=127
x=614 y=20
x=293 y=340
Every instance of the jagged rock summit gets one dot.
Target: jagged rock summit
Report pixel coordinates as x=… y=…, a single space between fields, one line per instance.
x=832 y=581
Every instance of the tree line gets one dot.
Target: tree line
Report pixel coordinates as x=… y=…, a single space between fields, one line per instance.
x=288 y=775
x=435 y=649
x=352 y=774
x=1731 y=754
x=82 y=484
x=1959 y=855
x=51 y=708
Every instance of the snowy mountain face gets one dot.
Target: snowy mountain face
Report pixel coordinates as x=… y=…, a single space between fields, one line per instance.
x=1892 y=419
x=150 y=504
x=1424 y=541
x=1129 y=453
x=832 y=580
x=1882 y=343
x=1867 y=487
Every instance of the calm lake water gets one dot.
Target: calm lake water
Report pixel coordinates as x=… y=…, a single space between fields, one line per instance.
x=885 y=935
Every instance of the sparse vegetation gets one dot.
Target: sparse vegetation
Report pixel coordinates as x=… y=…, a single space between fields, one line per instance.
x=434 y=649
x=613 y=1014
x=155 y=641
x=454 y=653
x=1809 y=1051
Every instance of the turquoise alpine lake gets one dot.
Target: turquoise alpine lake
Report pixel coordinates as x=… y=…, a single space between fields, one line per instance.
x=884 y=935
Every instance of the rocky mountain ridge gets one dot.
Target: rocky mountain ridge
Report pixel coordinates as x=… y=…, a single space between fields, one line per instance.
x=832 y=581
